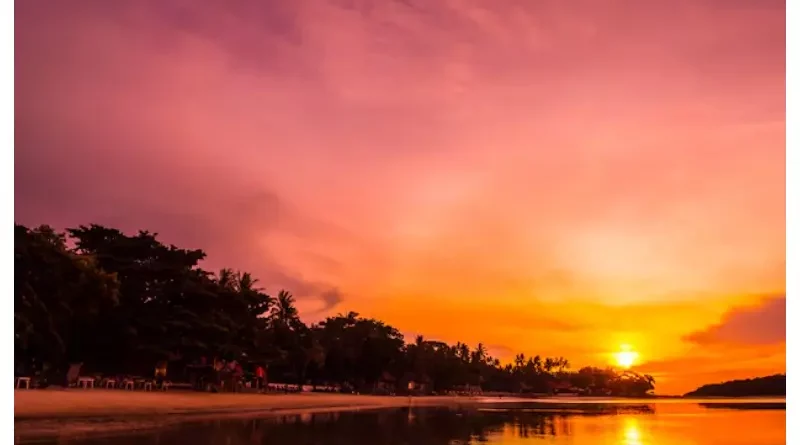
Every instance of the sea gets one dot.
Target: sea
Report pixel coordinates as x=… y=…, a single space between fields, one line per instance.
x=490 y=421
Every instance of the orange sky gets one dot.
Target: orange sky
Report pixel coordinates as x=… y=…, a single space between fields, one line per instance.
x=540 y=176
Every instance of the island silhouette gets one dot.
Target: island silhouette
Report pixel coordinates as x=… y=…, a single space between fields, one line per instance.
x=769 y=386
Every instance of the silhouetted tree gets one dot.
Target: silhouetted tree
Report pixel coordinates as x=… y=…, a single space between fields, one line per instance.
x=120 y=303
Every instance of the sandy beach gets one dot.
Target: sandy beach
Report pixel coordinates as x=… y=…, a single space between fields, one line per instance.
x=75 y=412
x=114 y=403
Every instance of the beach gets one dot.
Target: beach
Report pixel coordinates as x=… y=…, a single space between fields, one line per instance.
x=114 y=403
x=71 y=411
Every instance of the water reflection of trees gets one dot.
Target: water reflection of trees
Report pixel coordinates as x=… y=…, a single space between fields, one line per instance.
x=745 y=405
x=424 y=426
x=587 y=408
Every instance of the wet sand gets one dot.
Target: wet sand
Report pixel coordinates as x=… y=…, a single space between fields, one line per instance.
x=47 y=412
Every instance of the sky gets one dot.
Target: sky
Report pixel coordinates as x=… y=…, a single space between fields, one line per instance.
x=547 y=177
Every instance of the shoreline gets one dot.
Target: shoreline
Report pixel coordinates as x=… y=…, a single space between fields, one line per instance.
x=73 y=412
x=101 y=403
x=98 y=403
x=77 y=413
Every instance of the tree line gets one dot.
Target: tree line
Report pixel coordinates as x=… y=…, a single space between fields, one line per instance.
x=773 y=385
x=119 y=303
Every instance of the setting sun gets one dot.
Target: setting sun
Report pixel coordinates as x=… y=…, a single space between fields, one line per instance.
x=626 y=357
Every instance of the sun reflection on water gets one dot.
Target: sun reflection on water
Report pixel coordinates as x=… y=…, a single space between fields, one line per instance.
x=631 y=433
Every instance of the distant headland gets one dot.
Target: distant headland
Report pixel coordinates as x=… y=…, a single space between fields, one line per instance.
x=769 y=386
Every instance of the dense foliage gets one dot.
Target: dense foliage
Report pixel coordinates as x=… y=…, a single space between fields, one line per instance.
x=774 y=385
x=119 y=303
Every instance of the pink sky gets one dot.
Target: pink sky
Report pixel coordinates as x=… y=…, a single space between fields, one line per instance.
x=543 y=176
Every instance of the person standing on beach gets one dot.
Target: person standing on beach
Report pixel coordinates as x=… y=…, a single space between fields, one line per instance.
x=260 y=374
x=161 y=373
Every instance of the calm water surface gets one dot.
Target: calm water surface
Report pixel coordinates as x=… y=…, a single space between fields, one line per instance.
x=507 y=422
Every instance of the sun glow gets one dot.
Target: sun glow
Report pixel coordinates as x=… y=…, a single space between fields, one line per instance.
x=631 y=433
x=626 y=357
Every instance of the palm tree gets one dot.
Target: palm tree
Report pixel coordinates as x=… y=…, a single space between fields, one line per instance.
x=562 y=364
x=537 y=364
x=479 y=355
x=463 y=352
x=284 y=311
x=245 y=282
x=549 y=364
x=519 y=360
x=226 y=278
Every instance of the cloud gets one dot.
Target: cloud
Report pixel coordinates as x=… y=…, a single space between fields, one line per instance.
x=512 y=159
x=331 y=298
x=712 y=358
x=712 y=363
x=762 y=324
x=62 y=179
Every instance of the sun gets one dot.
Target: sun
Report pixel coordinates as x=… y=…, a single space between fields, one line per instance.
x=626 y=357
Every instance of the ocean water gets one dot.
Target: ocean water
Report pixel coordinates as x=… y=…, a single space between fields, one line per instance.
x=506 y=421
